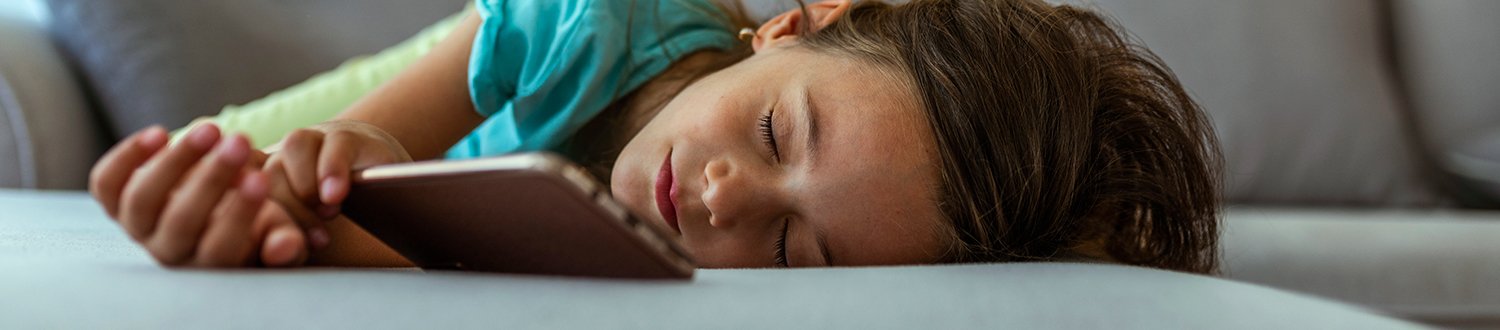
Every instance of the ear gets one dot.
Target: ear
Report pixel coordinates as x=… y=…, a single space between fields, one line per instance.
x=785 y=28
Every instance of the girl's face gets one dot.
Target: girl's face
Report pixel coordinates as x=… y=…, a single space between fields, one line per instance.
x=790 y=157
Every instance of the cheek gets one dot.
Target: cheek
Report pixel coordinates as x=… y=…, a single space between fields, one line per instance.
x=710 y=120
x=714 y=251
x=689 y=123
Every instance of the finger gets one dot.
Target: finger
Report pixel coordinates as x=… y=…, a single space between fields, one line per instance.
x=299 y=158
x=230 y=239
x=113 y=170
x=148 y=188
x=293 y=208
x=258 y=158
x=190 y=208
x=334 y=164
x=284 y=244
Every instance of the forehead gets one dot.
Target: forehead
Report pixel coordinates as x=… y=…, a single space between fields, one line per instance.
x=873 y=187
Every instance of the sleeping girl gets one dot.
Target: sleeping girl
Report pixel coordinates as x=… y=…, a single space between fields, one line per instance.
x=834 y=134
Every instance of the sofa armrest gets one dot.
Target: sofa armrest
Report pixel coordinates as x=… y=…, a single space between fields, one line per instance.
x=48 y=136
x=1432 y=266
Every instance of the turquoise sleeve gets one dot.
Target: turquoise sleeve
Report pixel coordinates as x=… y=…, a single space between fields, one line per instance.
x=540 y=69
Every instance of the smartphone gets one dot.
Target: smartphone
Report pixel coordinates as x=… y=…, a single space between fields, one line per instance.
x=529 y=213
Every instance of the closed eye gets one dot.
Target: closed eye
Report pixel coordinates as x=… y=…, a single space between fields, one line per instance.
x=768 y=135
x=781 y=259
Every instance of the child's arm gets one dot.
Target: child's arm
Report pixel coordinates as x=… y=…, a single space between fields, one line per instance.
x=320 y=98
x=425 y=109
x=201 y=203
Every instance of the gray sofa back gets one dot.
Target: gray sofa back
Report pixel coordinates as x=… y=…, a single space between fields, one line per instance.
x=1302 y=93
x=1446 y=54
x=47 y=136
x=169 y=61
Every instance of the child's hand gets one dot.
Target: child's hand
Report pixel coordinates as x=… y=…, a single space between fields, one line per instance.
x=312 y=168
x=197 y=203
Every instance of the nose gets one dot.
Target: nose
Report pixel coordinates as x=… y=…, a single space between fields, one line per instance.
x=735 y=195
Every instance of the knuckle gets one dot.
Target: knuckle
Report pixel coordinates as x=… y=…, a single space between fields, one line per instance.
x=273 y=161
x=131 y=206
x=305 y=192
x=297 y=134
x=219 y=257
x=131 y=195
x=218 y=174
x=96 y=175
x=343 y=136
x=96 y=186
x=133 y=225
x=270 y=217
x=300 y=139
x=165 y=254
x=293 y=142
x=277 y=216
x=132 y=230
x=102 y=172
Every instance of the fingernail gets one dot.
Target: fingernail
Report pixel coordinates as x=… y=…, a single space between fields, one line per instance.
x=232 y=151
x=326 y=189
x=319 y=238
x=253 y=185
x=153 y=137
x=204 y=136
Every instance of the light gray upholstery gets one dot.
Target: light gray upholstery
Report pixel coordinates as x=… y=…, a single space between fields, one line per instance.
x=1448 y=51
x=69 y=267
x=1301 y=93
x=1448 y=55
x=1432 y=266
x=169 y=61
x=48 y=137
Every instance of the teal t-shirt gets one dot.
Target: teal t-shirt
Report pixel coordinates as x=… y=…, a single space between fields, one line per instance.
x=541 y=69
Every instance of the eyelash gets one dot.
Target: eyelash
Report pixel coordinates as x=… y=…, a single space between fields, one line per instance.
x=781 y=259
x=768 y=134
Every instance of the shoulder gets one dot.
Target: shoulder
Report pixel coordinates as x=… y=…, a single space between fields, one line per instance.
x=600 y=13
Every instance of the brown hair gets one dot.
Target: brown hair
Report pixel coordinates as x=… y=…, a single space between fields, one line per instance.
x=1058 y=138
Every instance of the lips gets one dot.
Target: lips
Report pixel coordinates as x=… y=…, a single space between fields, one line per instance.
x=666 y=194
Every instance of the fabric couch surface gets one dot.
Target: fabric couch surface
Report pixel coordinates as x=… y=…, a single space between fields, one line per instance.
x=68 y=266
x=48 y=138
x=1301 y=92
x=168 y=61
x=1446 y=51
x=1428 y=265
